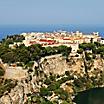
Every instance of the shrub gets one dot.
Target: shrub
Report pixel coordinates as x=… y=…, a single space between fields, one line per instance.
x=45 y=92
x=2 y=72
x=80 y=51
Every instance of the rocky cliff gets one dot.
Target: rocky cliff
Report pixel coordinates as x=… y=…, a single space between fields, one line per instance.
x=54 y=65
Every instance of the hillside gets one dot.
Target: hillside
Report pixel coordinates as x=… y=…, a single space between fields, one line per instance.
x=49 y=75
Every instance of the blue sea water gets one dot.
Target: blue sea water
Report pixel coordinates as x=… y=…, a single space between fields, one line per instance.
x=91 y=96
x=17 y=29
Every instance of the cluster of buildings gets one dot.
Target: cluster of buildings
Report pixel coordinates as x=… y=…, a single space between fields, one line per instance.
x=72 y=39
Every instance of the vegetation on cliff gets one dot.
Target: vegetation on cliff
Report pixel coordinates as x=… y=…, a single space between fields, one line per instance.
x=53 y=88
x=2 y=71
x=13 y=38
x=32 y=53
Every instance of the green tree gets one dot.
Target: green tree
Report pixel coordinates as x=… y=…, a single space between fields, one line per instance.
x=45 y=92
x=9 y=57
x=80 y=51
x=2 y=72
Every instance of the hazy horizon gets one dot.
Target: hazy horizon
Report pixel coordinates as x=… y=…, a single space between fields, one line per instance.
x=47 y=12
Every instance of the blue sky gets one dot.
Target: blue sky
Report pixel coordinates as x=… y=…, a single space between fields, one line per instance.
x=52 y=12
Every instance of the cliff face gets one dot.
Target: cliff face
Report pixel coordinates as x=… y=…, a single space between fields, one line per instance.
x=74 y=64
x=56 y=65
x=59 y=65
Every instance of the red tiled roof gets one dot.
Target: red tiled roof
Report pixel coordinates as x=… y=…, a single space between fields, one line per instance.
x=67 y=39
x=44 y=40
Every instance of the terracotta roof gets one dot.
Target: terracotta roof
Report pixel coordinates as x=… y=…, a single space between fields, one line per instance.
x=67 y=39
x=44 y=40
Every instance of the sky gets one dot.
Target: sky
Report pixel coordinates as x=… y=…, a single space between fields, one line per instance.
x=52 y=12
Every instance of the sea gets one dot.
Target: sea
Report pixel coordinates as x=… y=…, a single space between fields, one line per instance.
x=17 y=29
x=91 y=96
